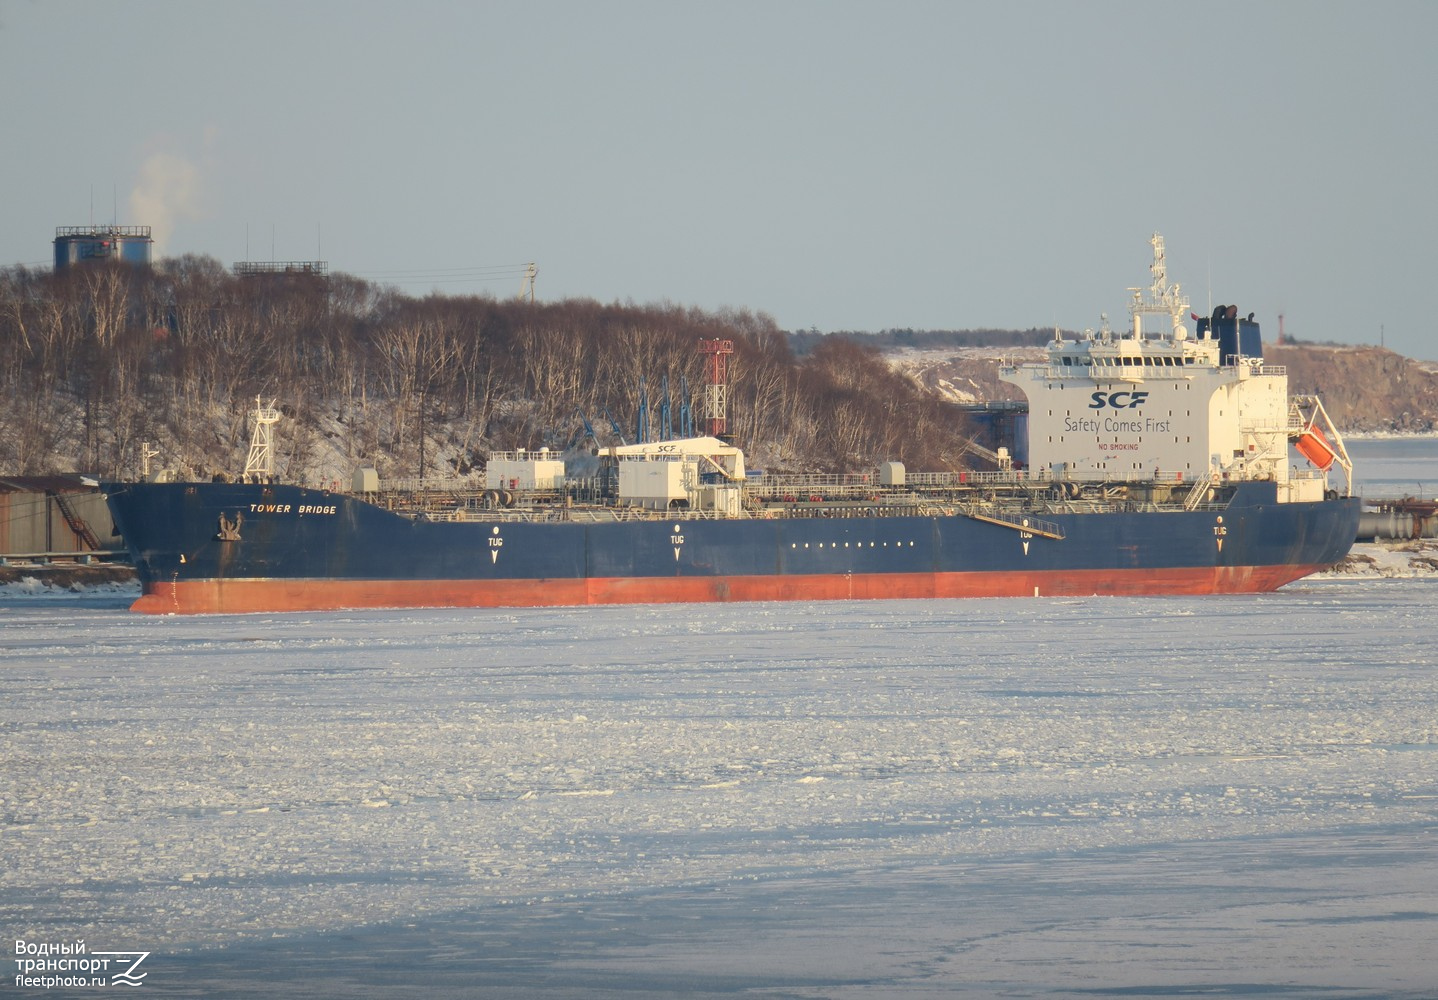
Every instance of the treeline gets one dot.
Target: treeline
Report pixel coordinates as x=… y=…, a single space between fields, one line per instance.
x=96 y=361
x=806 y=342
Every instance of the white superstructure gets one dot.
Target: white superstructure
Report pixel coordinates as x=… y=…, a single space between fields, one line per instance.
x=524 y=470
x=702 y=473
x=1171 y=404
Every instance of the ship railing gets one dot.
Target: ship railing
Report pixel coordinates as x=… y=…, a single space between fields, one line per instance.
x=946 y=478
x=841 y=513
x=1030 y=477
x=607 y=515
x=1280 y=425
x=1105 y=367
x=662 y=514
x=142 y=231
x=812 y=489
x=1114 y=506
x=1246 y=368
x=525 y=455
x=950 y=480
x=433 y=485
x=481 y=514
x=803 y=482
x=840 y=486
x=1297 y=423
x=582 y=515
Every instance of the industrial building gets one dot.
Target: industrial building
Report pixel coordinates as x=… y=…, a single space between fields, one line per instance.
x=76 y=245
x=54 y=517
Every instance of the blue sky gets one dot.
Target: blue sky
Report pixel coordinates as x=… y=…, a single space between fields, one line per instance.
x=836 y=165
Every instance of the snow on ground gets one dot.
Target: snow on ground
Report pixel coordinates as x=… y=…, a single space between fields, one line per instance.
x=1396 y=558
x=780 y=779
x=42 y=586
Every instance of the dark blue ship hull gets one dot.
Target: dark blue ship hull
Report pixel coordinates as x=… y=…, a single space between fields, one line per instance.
x=213 y=547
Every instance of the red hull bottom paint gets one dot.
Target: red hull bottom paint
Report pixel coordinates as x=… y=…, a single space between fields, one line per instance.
x=250 y=596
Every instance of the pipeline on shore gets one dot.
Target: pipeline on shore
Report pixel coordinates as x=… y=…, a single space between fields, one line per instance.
x=1409 y=517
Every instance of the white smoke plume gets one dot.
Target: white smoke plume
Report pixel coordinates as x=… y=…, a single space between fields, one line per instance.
x=167 y=191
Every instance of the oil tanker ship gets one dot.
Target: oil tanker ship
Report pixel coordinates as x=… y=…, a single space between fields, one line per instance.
x=1163 y=461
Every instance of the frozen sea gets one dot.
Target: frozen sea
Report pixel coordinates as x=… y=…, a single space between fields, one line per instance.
x=1102 y=797
x=1394 y=467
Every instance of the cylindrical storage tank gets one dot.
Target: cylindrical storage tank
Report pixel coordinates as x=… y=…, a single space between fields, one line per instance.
x=84 y=244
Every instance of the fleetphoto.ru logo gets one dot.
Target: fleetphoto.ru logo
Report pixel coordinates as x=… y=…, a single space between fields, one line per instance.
x=69 y=964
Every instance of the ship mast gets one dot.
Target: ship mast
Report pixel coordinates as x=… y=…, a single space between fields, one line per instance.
x=1163 y=299
x=260 y=465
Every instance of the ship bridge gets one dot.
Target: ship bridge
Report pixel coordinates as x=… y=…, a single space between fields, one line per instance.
x=1168 y=403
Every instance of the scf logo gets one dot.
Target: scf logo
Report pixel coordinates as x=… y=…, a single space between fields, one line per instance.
x=1118 y=400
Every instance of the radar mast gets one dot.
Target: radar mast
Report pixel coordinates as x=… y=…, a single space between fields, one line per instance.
x=1162 y=299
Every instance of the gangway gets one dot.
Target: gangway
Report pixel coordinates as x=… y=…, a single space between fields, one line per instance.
x=1031 y=525
x=1198 y=493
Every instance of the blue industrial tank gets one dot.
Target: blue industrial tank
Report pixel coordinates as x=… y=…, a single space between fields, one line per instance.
x=83 y=244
